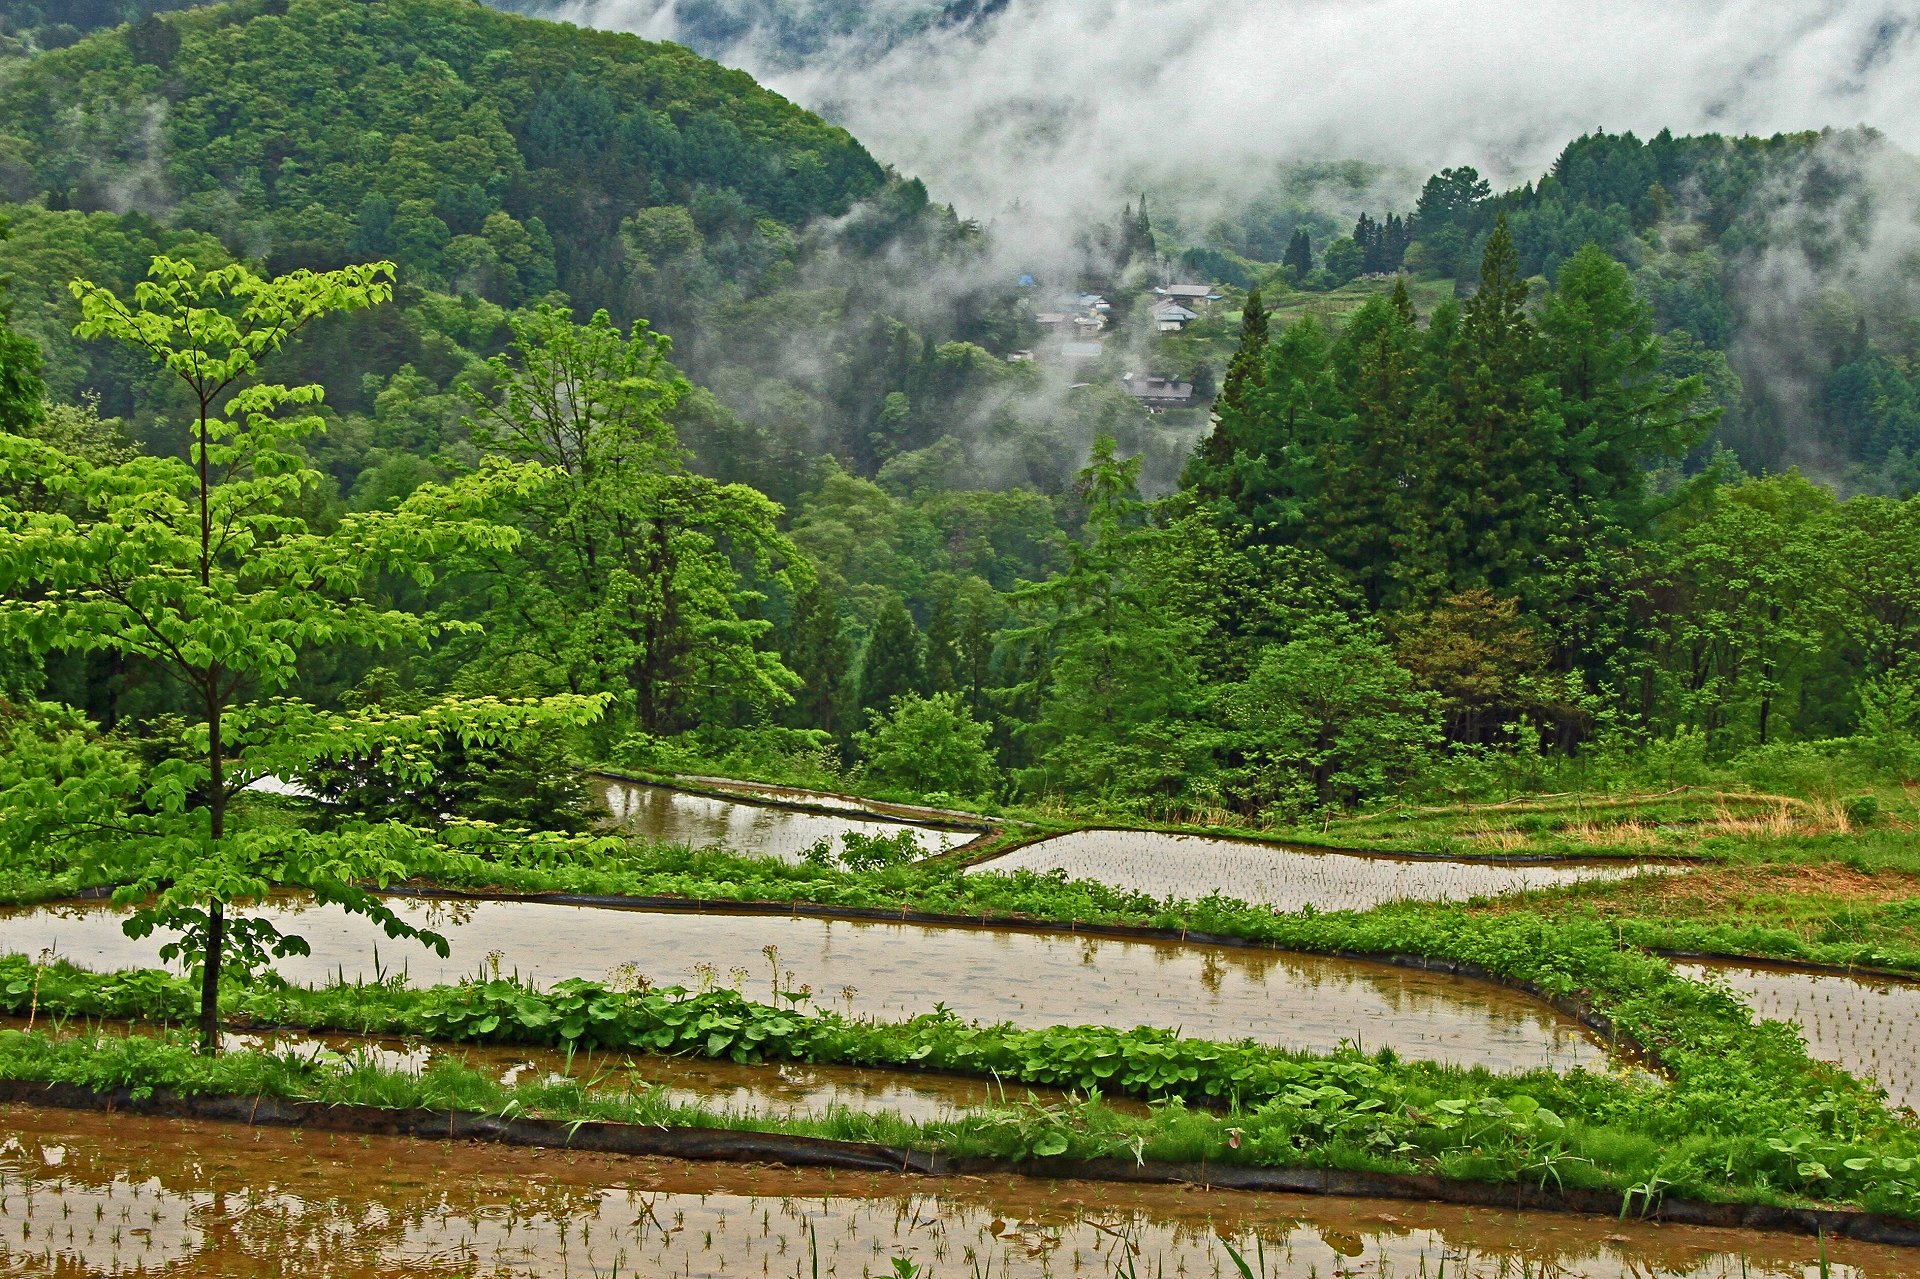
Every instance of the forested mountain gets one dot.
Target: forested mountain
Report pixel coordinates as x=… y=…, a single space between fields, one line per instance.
x=790 y=33
x=1783 y=270
x=498 y=160
x=1466 y=496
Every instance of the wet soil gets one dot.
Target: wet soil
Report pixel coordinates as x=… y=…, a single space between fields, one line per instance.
x=88 y=1194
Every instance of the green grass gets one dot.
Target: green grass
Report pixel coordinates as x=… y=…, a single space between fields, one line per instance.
x=1353 y=1113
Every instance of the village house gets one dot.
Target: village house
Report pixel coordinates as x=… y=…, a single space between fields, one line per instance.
x=1198 y=296
x=1157 y=392
x=1171 y=317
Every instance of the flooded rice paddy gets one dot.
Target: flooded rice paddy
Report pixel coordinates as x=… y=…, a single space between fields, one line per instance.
x=893 y=971
x=1866 y=1026
x=84 y=1194
x=666 y=816
x=1191 y=866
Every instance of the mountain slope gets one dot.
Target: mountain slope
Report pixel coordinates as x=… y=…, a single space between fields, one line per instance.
x=319 y=130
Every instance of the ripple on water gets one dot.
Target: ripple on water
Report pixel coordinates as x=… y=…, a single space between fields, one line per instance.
x=894 y=971
x=1191 y=866
x=85 y=1194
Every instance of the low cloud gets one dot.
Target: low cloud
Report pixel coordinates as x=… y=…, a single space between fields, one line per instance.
x=1046 y=112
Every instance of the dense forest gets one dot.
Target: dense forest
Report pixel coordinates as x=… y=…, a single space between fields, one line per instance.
x=1780 y=270
x=785 y=504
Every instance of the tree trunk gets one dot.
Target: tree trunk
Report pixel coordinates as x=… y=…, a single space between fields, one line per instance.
x=210 y=980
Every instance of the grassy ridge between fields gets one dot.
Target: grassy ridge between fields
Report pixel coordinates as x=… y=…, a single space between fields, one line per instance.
x=1744 y=1113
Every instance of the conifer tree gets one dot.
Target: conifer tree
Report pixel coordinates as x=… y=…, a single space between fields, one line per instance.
x=1299 y=255
x=894 y=663
x=816 y=646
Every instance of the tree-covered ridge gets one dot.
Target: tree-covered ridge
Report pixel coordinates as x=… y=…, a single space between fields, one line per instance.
x=1780 y=269
x=30 y=26
x=456 y=138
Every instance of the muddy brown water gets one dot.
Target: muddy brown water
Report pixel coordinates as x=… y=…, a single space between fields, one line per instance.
x=667 y=816
x=1190 y=866
x=87 y=1194
x=894 y=971
x=1867 y=1026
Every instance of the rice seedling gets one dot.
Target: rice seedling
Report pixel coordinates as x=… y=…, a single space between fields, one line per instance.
x=904 y=970
x=81 y=1196
x=1163 y=865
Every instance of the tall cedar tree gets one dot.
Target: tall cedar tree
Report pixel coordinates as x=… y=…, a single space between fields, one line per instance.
x=1299 y=255
x=816 y=646
x=1492 y=442
x=894 y=663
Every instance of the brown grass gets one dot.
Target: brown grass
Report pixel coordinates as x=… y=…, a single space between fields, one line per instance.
x=1736 y=891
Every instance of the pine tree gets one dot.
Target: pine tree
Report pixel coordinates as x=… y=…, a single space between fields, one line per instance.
x=1299 y=255
x=816 y=645
x=894 y=663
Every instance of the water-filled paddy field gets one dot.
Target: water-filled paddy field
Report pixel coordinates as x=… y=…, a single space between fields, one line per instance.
x=894 y=971
x=85 y=1194
x=1191 y=866
x=1867 y=1026
x=666 y=816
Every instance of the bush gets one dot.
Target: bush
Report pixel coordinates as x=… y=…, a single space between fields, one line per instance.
x=1890 y=720
x=928 y=745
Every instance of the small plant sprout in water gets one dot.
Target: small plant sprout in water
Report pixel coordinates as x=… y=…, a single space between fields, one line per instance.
x=628 y=979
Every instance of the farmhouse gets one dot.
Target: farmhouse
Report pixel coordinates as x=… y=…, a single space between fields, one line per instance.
x=1157 y=392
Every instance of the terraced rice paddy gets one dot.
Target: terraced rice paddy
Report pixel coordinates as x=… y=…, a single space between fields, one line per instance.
x=894 y=971
x=1286 y=879
x=668 y=816
x=1866 y=1026
x=84 y=1194
x=777 y=1090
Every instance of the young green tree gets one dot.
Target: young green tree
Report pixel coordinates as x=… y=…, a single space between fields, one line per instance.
x=928 y=745
x=629 y=577
x=204 y=568
x=1115 y=676
x=1327 y=720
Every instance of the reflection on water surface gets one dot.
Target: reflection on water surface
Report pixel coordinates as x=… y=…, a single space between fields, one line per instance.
x=85 y=1194
x=665 y=816
x=894 y=971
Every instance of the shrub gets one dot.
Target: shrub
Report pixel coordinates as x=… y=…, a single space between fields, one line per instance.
x=927 y=745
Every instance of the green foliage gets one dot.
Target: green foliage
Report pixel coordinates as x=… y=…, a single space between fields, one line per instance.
x=929 y=746
x=206 y=570
x=626 y=580
x=468 y=144
x=1890 y=719
x=1328 y=719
